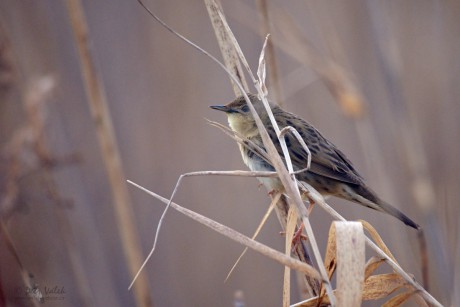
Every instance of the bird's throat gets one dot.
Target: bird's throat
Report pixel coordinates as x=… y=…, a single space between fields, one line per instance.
x=243 y=126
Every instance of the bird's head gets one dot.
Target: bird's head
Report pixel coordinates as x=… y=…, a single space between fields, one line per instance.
x=240 y=117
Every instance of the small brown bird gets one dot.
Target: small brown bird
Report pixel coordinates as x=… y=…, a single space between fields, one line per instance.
x=330 y=173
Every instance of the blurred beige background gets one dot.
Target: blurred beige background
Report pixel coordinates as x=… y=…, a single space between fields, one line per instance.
x=403 y=57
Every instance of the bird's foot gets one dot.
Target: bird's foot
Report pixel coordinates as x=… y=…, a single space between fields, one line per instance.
x=297 y=238
x=273 y=192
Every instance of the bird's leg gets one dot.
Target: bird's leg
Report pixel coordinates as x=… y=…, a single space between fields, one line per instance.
x=273 y=193
x=311 y=202
x=297 y=237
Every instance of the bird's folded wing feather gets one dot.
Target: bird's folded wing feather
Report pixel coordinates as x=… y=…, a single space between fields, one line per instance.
x=326 y=159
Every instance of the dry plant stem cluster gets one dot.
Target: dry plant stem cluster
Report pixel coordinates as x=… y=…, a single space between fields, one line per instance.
x=286 y=176
x=318 y=199
x=383 y=252
x=288 y=181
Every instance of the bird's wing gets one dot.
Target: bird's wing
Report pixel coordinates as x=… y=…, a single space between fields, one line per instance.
x=326 y=159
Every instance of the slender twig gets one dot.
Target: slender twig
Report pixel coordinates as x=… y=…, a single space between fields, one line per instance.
x=238 y=237
x=262 y=222
x=301 y=142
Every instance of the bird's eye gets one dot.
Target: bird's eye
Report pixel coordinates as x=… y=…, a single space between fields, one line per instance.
x=245 y=108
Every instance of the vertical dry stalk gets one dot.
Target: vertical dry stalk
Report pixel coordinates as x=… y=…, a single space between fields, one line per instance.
x=111 y=156
x=290 y=229
x=282 y=207
x=350 y=263
x=226 y=47
x=273 y=75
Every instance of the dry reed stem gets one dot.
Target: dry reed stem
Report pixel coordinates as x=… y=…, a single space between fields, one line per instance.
x=111 y=157
x=238 y=237
x=350 y=263
x=290 y=229
x=227 y=49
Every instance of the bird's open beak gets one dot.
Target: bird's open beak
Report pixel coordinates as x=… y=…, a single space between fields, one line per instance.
x=220 y=108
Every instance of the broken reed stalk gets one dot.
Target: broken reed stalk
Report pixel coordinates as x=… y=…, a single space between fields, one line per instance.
x=109 y=148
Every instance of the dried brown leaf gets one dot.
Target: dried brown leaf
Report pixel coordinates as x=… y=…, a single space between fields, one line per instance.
x=330 y=260
x=380 y=286
x=399 y=299
x=372 y=265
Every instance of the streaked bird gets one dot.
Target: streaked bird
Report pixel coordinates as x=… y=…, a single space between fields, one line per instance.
x=330 y=173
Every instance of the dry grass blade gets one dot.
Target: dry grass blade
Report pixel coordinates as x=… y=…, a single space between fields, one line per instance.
x=301 y=142
x=350 y=262
x=314 y=302
x=262 y=69
x=238 y=237
x=256 y=233
x=290 y=229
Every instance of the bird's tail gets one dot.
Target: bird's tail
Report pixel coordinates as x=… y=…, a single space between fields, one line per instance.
x=366 y=197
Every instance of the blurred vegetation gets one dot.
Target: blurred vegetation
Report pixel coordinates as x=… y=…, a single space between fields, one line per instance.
x=56 y=199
